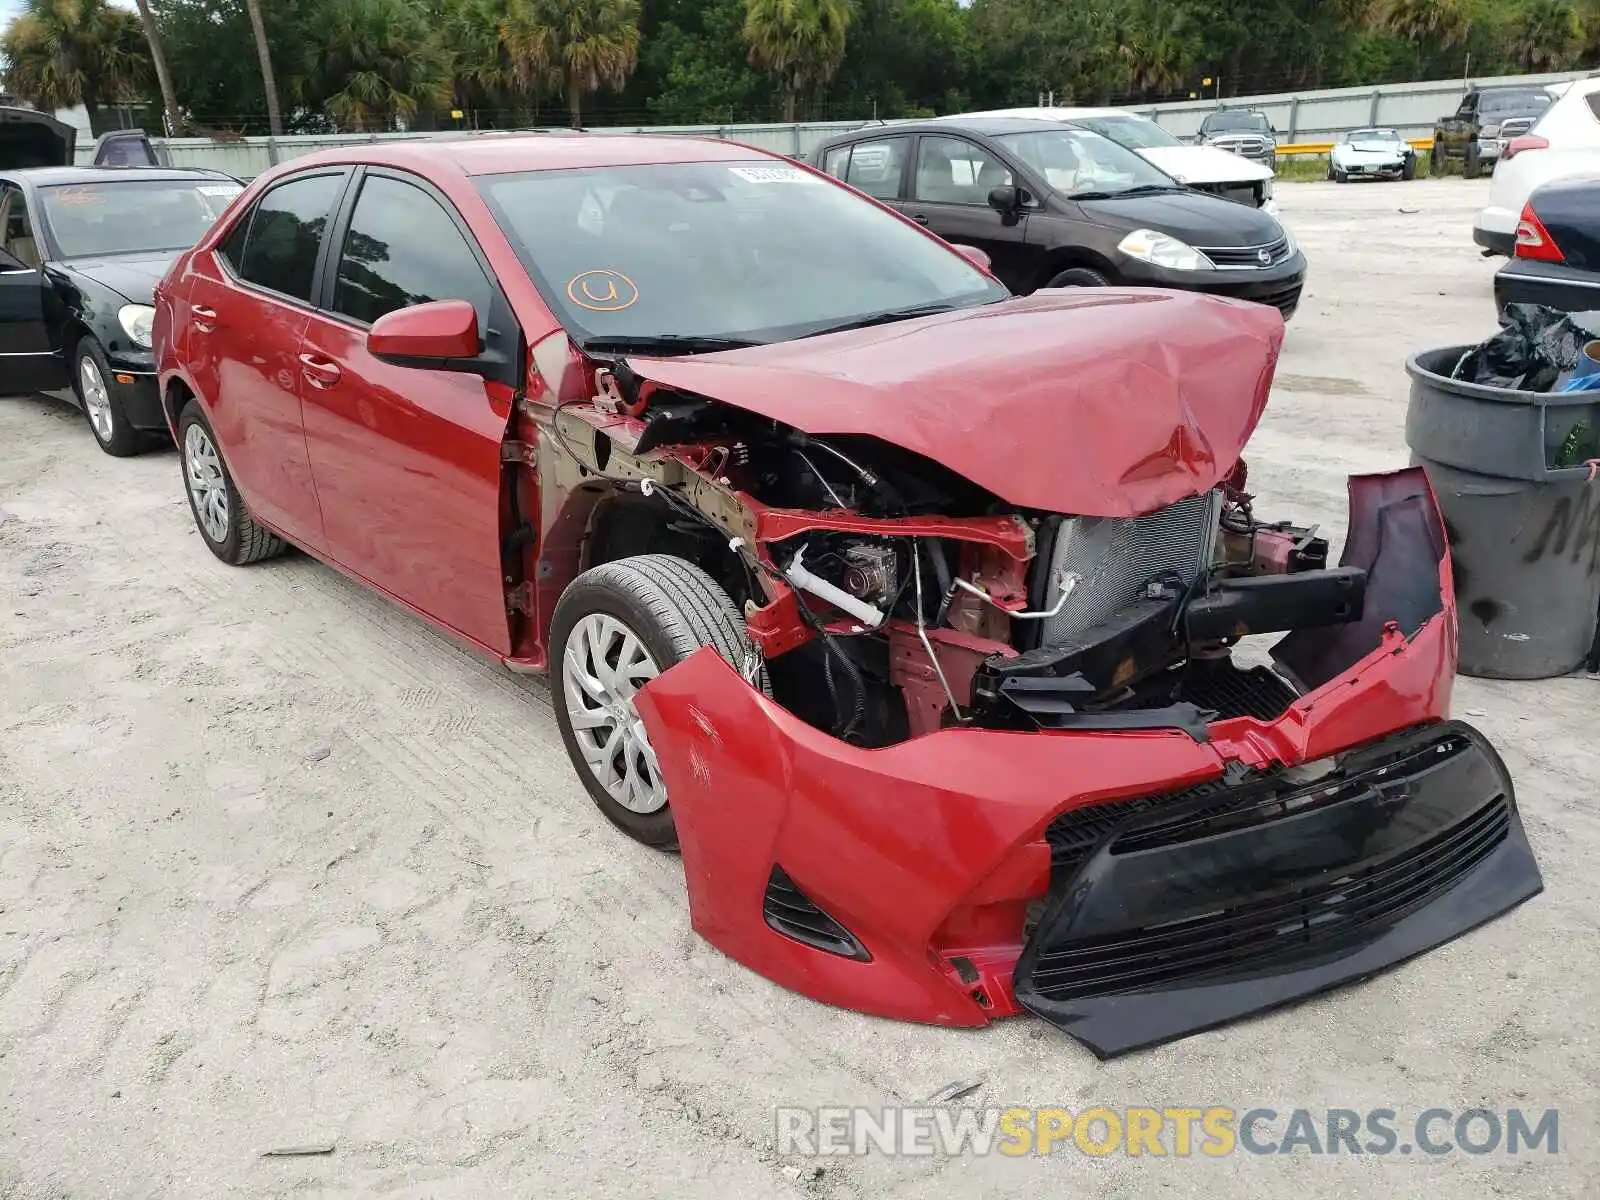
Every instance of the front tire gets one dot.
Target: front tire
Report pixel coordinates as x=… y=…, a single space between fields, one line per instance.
x=616 y=627
x=1079 y=277
x=1472 y=168
x=1436 y=162
x=91 y=380
x=220 y=514
x=1409 y=171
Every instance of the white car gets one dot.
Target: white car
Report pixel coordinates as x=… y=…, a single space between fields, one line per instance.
x=1371 y=154
x=1564 y=142
x=1203 y=167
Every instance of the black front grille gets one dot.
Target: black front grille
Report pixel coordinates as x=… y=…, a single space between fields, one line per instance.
x=1248 y=256
x=791 y=912
x=1285 y=299
x=1229 y=692
x=1296 y=923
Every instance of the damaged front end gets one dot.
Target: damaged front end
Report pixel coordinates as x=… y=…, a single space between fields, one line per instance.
x=999 y=753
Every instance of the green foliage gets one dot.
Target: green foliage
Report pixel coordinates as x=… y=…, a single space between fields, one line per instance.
x=373 y=64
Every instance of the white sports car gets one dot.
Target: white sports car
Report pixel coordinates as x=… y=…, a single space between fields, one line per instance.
x=1371 y=153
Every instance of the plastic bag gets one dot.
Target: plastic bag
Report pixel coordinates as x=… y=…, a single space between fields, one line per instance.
x=1534 y=349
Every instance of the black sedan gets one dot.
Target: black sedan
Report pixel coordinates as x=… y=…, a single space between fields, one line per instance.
x=81 y=250
x=1057 y=205
x=1556 y=259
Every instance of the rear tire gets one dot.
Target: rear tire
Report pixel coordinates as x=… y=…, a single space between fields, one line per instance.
x=1079 y=277
x=225 y=524
x=623 y=623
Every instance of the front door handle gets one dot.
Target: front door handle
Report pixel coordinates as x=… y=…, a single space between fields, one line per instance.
x=919 y=218
x=205 y=319
x=319 y=372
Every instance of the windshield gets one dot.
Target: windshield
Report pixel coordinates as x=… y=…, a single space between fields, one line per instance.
x=1075 y=161
x=1372 y=135
x=1228 y=122
x=135 y=215
x=746 y=251
x=1135 y=133
x=1501 y=103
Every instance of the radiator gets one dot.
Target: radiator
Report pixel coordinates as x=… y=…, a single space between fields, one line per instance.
x=1115 y=557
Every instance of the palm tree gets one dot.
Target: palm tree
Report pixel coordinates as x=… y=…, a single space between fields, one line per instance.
x=379 y=62
x=1544 y=35
x=469 y=37
x=169 y=98
x=63 y=53
x=580 y=45
x=799 y=41
x=268 y=81
x=1443 y=23
x=1157 y=45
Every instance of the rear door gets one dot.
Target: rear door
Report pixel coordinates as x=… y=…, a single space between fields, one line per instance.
x=28 y=362
x=950 y=195
x=407 y=461
x=877 y=166
x=248 y=309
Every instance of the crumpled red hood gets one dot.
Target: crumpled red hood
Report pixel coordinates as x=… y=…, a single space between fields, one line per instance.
x=1103 y=402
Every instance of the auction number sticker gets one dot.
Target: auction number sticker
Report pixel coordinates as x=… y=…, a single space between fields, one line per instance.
x=772 y=175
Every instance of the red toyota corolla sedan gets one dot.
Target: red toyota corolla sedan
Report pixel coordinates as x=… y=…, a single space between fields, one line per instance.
x=918 y=601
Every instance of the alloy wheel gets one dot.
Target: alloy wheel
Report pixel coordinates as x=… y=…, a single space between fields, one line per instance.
x=208 y=487
x=96 y=398
x=604 y=666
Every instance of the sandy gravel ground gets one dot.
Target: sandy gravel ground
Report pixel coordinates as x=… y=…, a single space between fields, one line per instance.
x=279 y=866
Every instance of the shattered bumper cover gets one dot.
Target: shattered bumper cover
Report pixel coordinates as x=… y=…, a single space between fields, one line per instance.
x=1205 y=908
x=1128 y=885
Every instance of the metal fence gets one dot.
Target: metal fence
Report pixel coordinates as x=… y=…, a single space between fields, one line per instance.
x=1319 y=116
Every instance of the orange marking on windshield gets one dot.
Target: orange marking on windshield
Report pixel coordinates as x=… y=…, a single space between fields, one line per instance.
x=602 y=291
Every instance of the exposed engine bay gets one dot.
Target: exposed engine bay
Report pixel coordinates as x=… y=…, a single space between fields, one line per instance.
x=889 y=596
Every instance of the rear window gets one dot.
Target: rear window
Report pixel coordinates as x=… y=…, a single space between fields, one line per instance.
x=1499 y=103
x=133 y=216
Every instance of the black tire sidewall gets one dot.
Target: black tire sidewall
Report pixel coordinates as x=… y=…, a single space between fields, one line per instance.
x=580 y=600
x=228 y=549
x=125 y=440
x=1059 y=279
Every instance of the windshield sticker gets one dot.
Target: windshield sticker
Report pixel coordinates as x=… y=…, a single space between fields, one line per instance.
x=223 y=191
x=602 y=291
x=773 y=175
x=79 y=195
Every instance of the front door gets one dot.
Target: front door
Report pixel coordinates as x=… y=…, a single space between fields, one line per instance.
x=247 y=319
x=28 y=363
x=950 y=188
x=407 y=461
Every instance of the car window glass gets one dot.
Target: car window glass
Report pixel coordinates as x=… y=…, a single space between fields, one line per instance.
x=286 y=233
x=403 y=249
x=18 y=231
x=956 y=171
x=875 y=167
x=232 y=247
x=1593 y=101
x=835 y=161
x=1468 y=106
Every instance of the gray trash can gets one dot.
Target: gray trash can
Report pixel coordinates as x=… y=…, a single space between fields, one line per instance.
x=1522 y=516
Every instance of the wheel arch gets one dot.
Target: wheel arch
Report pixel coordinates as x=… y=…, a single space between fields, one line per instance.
x=1066 y=258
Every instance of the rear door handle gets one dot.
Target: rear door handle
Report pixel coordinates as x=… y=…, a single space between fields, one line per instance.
x=205 y=319
x=319 y=372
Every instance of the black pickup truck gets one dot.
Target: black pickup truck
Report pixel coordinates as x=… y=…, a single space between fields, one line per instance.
x=1478 y=131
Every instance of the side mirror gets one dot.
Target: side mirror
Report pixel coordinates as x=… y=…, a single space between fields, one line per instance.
x=441 y=335
x=1005 y=199
x=973 y=255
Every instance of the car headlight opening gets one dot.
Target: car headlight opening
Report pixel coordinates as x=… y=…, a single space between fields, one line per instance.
x=1163 y=250
x=137 y=321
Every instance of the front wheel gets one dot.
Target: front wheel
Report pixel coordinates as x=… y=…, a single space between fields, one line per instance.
x=1409 y=171
x=108 y=421
x=1436 y=162
x=225 y=524
x=1472 y=168
x=1079 y=277
x=615 y=628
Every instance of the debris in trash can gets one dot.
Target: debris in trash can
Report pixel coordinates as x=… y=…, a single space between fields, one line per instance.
x=1536 y=346
x=1580 y=445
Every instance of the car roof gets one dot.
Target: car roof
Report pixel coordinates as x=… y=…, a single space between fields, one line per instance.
x=980 y=125
x=55 y=176
x=1049 y=114
x=509 y=153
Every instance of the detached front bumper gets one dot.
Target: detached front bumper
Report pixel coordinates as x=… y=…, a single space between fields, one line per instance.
x=1129 y=885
